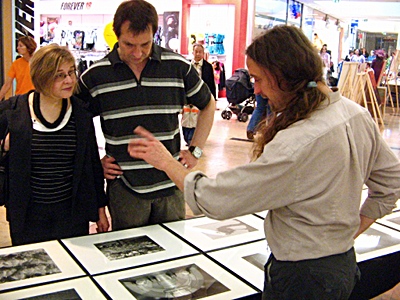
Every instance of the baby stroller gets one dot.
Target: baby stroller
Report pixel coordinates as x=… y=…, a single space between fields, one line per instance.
x=239 y=89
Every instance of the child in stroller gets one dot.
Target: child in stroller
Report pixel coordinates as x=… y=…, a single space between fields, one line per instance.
x=239 y=89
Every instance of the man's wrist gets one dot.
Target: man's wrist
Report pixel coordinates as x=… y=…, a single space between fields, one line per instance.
x=196 y=151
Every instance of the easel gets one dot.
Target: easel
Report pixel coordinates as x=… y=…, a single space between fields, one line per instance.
x=363 y=88
x=356 y=87
x=392 y=75
x=347 y=79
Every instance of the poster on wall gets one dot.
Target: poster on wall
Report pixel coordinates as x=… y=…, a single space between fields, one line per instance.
x=171 y=30
x=49 y=29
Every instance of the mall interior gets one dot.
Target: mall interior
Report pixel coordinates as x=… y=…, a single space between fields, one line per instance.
x=214 y=264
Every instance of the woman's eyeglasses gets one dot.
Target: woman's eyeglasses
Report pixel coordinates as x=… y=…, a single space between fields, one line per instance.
x=61 y=76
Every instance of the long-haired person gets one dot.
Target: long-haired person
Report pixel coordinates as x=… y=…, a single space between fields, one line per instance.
x=20 y=68
x=310 y=164
x=56 y=183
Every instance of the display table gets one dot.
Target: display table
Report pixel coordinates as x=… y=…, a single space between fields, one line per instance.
x=199 y=258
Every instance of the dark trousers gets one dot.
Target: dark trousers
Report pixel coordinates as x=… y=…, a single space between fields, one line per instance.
x=127 y=210
x=326 y=278
x=45 y=222
x=188 y=134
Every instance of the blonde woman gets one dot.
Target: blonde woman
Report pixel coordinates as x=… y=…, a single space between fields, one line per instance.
x=56 y=181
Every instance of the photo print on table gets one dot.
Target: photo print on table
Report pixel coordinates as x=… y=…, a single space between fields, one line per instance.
x=225 y=228
x=70 y=294
x=184 y=282
x=259 y=260
x=130 y=247
x=26 y=264
x=372 y=240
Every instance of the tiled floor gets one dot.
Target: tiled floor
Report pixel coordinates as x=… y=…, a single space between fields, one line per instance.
x=228 y=147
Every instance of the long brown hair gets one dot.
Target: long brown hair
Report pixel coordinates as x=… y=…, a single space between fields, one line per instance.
x=294 y=62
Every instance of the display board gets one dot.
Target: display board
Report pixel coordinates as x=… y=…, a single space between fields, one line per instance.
x=196 y=258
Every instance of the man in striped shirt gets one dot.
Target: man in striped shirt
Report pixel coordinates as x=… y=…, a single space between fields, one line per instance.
x=141 y=83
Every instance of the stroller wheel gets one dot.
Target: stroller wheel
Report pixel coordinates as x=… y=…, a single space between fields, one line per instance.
x=244 y=117
x=228 y=115
x=223 y=114
x=239 y=116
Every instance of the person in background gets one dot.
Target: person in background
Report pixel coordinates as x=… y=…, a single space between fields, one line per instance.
x=56 y=183
x=190 y=114
x=308 y=171
x=317 y=42
x=377 y=64
x=141 y=83
x=372 y=56
x=20 y=68
x=357 y=57
x=364 y=53
x=206 y=55
x=349 y=57
x=204 y=68
x=261 y=111
x=326 y=59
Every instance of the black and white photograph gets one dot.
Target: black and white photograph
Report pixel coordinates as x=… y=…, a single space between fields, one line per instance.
x=247 y=261
x=74 y=289
x=99 y=253
x=194 y=277
x=136 y=246
x=392 y=220
x=70 y=294
x=258 y=259
x=208 y=234
x=184 y=282
x=222 y=229
x=35 y=263
x=26 y=264
x=376 y=241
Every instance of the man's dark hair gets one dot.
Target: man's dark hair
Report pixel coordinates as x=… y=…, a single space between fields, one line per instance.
x=140 y=14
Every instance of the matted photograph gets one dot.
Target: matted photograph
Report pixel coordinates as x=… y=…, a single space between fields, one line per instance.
x=189 y=281
x=26 y=264
x=35 y=263
x=247 y=261
x=74 y=289
x=392 y=220
x=378 y=240
x=195 y=277
x=208 y=234
x=128 y=248
x=226 y=228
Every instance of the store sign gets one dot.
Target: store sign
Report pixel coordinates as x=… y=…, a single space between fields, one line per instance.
x=24 y=18
x=75 y=5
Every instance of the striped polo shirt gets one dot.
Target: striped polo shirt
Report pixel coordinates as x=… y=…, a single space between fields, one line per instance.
x=154 y=101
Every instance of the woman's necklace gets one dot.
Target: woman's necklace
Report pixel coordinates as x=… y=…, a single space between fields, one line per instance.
x=38 y=113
